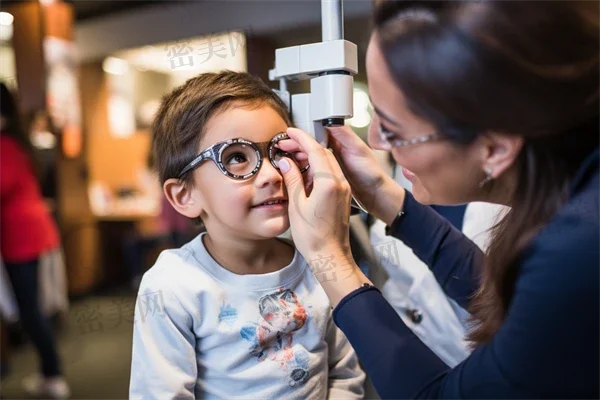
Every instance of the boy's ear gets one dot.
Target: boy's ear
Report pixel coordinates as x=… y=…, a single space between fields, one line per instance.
x=182 y=198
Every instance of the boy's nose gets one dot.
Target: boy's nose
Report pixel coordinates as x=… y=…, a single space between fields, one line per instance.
x=268 y=174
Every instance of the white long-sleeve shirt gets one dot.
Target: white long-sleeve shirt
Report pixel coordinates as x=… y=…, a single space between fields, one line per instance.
x=202 y=331
x=412 y=286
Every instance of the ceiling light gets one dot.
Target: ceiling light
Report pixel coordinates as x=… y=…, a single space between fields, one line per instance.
x=115 y=66
x=6 y=19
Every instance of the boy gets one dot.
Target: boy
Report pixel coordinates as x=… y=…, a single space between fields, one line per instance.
x=235 y=313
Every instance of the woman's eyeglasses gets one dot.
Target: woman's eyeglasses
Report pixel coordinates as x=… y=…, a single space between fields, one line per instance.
x=389 y=137
x=241 y=159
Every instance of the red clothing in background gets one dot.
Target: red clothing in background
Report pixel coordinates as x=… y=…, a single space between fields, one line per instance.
x=171 y=221
x=26 y=226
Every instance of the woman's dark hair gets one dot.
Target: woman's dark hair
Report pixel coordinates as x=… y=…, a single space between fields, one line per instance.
x=526 y=68
x=14 y=127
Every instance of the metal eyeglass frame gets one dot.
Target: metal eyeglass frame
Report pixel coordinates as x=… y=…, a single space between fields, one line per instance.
x=384 y=135
x=215 y=153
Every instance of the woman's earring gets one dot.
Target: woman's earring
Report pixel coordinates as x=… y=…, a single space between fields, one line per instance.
x=488 y=177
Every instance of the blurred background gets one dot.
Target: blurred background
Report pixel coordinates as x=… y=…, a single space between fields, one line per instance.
x=88 y=77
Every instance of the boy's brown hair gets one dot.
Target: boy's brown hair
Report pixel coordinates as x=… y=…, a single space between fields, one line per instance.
x=180 y=123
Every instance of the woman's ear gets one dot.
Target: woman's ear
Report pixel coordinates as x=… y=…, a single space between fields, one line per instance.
x=501 y=152
x=183 y=198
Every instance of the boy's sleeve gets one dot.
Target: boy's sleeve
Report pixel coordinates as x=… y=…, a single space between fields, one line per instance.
x=346 y=378
x=163 y=364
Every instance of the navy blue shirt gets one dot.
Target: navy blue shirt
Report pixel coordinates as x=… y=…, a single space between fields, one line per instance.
x=548 y=344
x=454 y=214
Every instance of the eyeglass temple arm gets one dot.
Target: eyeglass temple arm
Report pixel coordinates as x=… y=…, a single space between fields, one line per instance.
x=206 y=154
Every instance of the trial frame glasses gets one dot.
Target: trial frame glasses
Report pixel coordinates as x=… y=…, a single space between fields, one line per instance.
x=259 y=150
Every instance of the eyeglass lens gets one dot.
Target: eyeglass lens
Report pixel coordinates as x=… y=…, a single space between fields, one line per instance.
x=239 y=159
x=276 y=154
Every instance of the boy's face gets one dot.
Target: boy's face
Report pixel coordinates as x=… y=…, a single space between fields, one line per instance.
x=236 y=208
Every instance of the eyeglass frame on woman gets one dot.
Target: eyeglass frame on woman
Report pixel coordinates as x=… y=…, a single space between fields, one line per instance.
x=215 y=153
x=385 y=136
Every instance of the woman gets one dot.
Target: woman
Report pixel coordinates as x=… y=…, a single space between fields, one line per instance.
x=478 y=101
x=26 y=232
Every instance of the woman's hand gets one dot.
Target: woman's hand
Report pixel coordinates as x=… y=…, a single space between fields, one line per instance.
x=370 y=184
x=320 y=219
x=375 y=189
x=319 y=214
x=358 y=163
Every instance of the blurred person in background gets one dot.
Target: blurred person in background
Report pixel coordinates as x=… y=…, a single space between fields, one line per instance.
x=167 y=230
x=27 y=231
x=43 y=136
x=170 y=230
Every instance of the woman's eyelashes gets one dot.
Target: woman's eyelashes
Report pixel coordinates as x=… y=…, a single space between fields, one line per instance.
x=387 y=134
x=384 y=131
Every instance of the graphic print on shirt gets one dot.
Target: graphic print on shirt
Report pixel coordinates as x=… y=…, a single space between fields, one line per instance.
x=227 y=314
x=272 y=338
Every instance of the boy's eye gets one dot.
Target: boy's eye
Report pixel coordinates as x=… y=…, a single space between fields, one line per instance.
x=236 y=158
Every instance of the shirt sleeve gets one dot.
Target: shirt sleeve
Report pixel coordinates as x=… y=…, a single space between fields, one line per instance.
x=163 y=358
x=454 y=259
x=539 y=352
x=346 y=378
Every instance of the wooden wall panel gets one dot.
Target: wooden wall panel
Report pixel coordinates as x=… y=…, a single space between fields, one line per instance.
x=58 y=20
x=29 y=55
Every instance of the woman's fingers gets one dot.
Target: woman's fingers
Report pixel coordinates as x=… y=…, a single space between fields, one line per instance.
x=294 y=182
x=324 y=172
x=343 y=135
x=335 y=168
x=317 y=155
x=322 y=161
x=293 y=148
x=300 y=156
x=290 y=146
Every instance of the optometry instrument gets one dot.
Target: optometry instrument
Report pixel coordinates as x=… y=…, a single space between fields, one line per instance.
x=330 y=66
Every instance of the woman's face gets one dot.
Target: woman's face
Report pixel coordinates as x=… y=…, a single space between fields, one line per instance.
x=440 y=172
